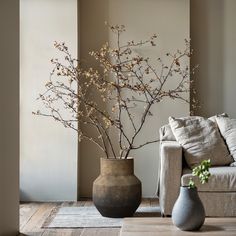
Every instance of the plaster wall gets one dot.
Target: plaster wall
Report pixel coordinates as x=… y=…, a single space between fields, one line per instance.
x=48 y=151
x=9 y=118
x=213 y=35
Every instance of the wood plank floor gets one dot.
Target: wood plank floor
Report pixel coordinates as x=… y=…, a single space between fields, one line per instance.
x=157 y=226
x=33 y=215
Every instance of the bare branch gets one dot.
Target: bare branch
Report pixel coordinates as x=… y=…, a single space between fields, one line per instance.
x=126 y=80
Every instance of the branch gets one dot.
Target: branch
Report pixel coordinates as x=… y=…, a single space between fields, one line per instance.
x=100 y=133
x=130 y=116
x=149 y=142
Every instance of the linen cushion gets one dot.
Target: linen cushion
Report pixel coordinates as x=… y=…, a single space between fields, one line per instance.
x=201 y=140
x=166 y=133
x=227 y=128
x=213 y=118
x=222 y=179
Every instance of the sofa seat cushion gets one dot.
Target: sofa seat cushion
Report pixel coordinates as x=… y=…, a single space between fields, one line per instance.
x=222 y=179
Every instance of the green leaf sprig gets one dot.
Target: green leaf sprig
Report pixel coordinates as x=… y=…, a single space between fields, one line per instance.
x=202 y=171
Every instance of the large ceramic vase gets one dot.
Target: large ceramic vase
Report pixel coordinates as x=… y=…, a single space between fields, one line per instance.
x=117 y=191
x=188 y=212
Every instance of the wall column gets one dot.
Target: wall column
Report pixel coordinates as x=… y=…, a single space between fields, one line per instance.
x=9 y=118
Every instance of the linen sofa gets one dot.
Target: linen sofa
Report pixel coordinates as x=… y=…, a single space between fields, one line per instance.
x=218 y=195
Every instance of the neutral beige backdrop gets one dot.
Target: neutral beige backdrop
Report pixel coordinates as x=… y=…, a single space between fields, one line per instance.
x=9 y=117
x=213 y=86
x=213 y=34
x=48 y=151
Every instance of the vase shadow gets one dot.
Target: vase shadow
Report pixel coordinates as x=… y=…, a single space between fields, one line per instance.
x=211 y=228
x=147 y=214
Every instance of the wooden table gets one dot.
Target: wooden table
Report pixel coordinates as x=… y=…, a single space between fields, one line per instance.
x=153 y=226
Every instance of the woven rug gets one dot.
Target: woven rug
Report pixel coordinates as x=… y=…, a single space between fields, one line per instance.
x=89 y=217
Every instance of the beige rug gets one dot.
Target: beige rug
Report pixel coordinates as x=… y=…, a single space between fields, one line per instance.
x=89 y=217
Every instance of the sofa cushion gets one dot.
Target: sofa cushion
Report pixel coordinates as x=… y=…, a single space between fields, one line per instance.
x=227 y=128
x=213 y=118
x=201 y=140
x=166 y=133
x=222 y=179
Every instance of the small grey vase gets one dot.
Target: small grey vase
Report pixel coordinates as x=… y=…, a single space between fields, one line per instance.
x=188 y=213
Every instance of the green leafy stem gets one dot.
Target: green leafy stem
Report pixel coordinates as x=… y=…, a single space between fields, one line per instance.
x=202 y=171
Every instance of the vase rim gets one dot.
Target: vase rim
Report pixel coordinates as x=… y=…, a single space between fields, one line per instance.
x=117 y=159
x=187 y=187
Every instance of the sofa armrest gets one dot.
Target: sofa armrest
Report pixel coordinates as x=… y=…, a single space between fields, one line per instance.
x=170 y=175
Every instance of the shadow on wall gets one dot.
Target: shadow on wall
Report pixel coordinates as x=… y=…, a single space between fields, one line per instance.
x=90 y=40
x=207 y=39
x=24 y=195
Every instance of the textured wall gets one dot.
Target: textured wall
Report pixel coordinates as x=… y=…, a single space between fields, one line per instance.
x=48 y=157
x=213 y=35
x=9 y=118
x=229 y=70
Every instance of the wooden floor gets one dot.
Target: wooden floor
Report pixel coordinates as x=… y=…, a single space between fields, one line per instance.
x=157 y=226
x=33 y=215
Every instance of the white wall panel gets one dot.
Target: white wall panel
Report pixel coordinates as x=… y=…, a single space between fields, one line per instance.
x=48 y=151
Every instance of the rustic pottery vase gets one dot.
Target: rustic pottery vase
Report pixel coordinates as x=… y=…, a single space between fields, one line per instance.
x=188 y=213
x=117 y=191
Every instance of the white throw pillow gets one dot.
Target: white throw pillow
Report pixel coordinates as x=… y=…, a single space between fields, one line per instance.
x=201 y=140
x=166 y=133
x=213 y=118
x=227 y=128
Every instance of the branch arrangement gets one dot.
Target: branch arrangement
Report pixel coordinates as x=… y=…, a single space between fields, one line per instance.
x=126 y=81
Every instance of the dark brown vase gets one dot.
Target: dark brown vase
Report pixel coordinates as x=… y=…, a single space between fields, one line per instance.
x=117 y=191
